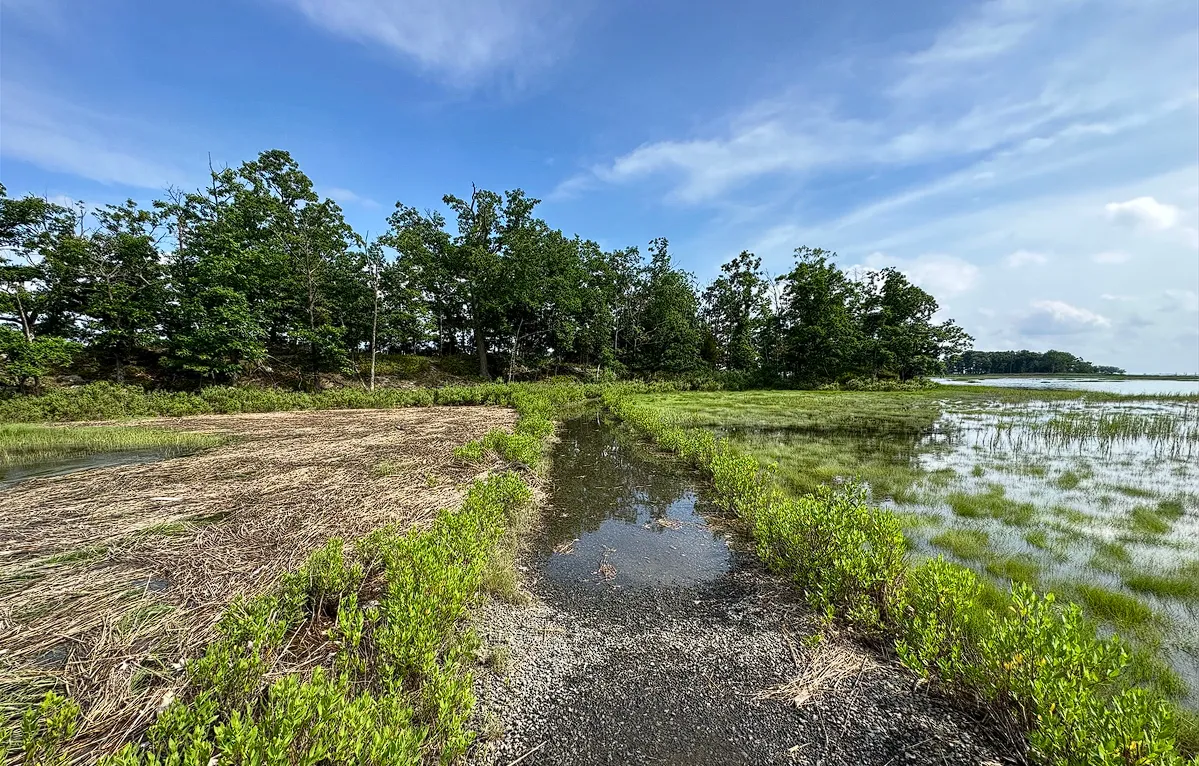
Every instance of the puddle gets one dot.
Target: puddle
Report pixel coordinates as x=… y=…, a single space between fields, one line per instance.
x=618 y=519
x=655 y=634
x=13 y=474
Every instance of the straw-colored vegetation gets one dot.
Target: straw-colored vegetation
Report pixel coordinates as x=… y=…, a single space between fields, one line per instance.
x=123 y=574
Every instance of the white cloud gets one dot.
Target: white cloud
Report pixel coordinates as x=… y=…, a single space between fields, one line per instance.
x=1118 y=298
x=348 y=197
x=1002 y=79
x=1143 y=212
x=64 y=137
x=944 y=276
x=1060 y=318
x=1111 y=257
x=460 y=40
x=1025 y=258
x=1182 y=300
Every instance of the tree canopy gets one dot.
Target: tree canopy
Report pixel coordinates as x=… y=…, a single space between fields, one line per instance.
x=257 y=271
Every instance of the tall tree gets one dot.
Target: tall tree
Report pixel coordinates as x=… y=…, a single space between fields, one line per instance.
x=819 y=334
x=734 y=306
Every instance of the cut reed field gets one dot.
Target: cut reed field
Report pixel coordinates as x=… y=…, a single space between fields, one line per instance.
x=112 y=580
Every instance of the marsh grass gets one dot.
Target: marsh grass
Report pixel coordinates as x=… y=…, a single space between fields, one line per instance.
x=991 y=504
x=1018 y=569
x=1041 y=661
x=1181 y=583
x=31 y=444
x=1112 y=606
x=1149 y=522
x=965 y=544
x=1067 y=480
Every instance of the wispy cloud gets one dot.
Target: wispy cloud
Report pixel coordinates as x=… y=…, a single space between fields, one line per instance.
x=460 y=41
x=1002 y=79
x=1111 y=257
x=1022 y=258
x=1061 y=318
x=63 y=137
x=349 y=197
x=1143 y=212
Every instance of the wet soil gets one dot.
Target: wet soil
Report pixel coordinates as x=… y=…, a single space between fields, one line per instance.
x=655 y=637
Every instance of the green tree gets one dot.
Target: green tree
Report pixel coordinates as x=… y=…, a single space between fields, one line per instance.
x=670 y=318
x=734 y=306
x=818 y=332
x=123 y=284
x=23 y=361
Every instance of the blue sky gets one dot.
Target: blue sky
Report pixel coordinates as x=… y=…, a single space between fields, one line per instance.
x=1033 y=163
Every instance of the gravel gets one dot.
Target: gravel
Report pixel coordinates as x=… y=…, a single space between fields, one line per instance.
x=592 y=672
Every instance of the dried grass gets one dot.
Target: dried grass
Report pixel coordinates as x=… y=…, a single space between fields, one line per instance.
x=111 y=578
x=829 y=665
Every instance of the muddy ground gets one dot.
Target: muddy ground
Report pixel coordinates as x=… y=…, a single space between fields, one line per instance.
x=109 y=578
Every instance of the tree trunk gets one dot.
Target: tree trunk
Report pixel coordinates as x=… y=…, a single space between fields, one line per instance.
x=481 y=349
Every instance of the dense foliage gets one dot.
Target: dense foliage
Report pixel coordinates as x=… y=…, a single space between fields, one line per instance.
x=256 y=273
x=1020 y=362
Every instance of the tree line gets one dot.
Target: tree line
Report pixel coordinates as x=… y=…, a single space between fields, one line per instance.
x=1024 y=362
x=257 y=272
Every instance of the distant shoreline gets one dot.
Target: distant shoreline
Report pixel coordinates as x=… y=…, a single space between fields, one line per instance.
x=1069 y=376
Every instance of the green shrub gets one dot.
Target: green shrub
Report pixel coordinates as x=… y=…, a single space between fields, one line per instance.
x=1022 y=651
x=846 y=556
x=938 y=621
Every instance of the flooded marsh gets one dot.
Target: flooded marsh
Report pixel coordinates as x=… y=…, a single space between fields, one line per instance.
x=1092 y=496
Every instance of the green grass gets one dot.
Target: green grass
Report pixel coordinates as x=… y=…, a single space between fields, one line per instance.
x=1067 y=480
x=1110 y=556
x=1015 y=569
x=1060 y=675
x=1131 y=491
x=31 y=444
x=1181 y=583
x=1150 y=522
x=966 y=544
x=992 y=504
x=1112 y=606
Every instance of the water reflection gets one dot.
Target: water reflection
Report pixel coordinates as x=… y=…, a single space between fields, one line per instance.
x=617 y=518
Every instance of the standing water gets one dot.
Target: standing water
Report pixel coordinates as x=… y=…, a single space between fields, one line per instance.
x=654 y=637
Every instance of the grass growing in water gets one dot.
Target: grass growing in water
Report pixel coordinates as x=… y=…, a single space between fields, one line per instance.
x=1180 y=583
x=992 y=504
x=1112 y=606
x=26 y=444
x=1039 y=660
x=966 y=544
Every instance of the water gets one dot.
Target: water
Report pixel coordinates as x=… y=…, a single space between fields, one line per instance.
x=1150 y=386
x=13 y=474
x=1075 y=483
x=619 y=520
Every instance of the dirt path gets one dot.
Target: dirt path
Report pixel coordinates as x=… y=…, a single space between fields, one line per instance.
x=109 y=578
x=654 y=640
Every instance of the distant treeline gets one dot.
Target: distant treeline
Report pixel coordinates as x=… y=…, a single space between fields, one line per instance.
x=1020 y=362
x=257 y=272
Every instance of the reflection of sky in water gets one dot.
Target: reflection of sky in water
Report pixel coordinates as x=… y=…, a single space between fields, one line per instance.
x=1015 y=451
x=1023 y=448
x=616 y=518
x=1110 y=385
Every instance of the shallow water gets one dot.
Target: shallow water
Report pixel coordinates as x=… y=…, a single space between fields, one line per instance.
x=1072 y=475
x=1110 y=385
x=621 y=520
x=13 y=474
